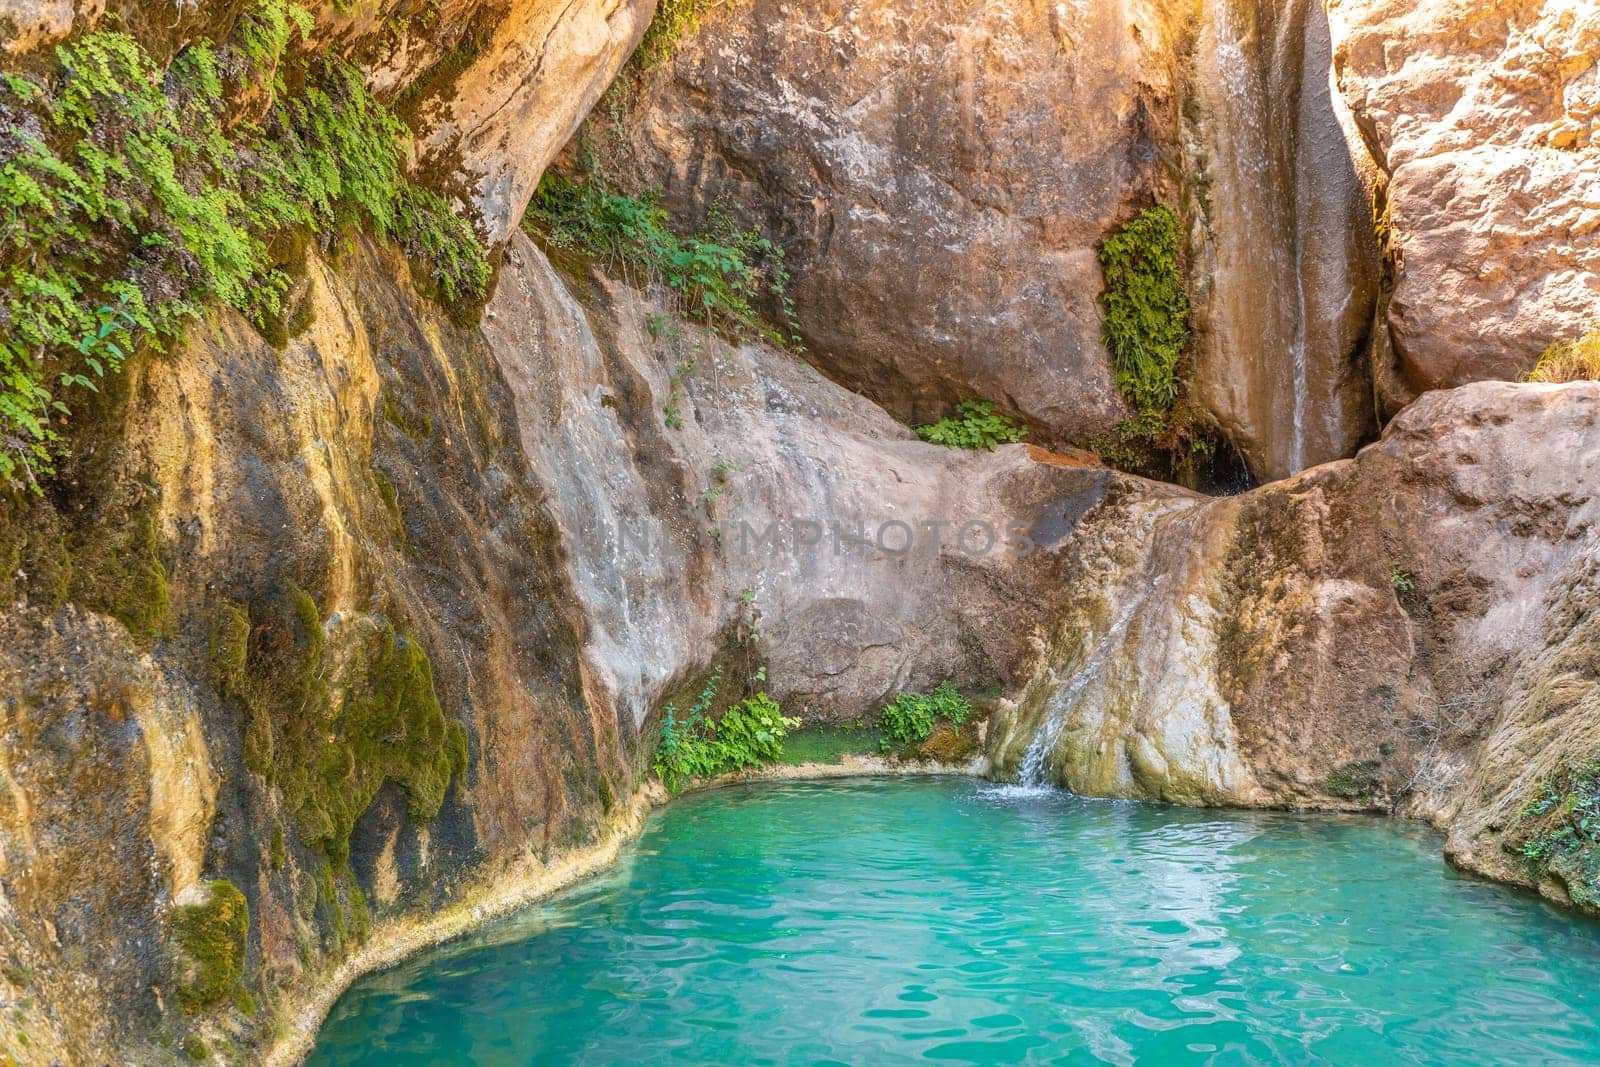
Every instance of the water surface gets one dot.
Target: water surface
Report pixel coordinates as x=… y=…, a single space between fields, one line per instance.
x=954 y=922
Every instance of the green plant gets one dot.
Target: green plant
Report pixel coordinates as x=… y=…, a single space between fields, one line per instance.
x=1401 y=579
x=747 y=734
x=1354 y=780
x=910 y=718
x=132 y=197
x=975 y=426
x=1146 y=308
x=674 y=20
x=211 y=937
x=717 y=276
x=1558 y=831
x=1577 y=360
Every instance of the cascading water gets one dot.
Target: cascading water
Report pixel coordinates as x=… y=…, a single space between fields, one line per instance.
x=1289 y=260
x=1035 y=769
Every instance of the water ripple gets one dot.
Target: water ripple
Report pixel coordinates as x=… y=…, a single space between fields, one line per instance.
x=886 y=922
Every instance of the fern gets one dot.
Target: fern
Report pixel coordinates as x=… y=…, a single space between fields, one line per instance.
x=125 y=207
x=1146 y=308
x=718 y=275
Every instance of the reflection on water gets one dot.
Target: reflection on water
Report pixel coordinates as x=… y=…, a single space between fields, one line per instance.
x=891 y=920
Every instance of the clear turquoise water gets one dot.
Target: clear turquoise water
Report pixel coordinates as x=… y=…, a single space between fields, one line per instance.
x=890 y=921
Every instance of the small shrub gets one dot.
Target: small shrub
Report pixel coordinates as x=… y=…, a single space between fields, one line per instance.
x=1146 y=308
x=674 y=20
x=717 y=276
x=1401 y=579
x=975 y=426
x=1577 y=360
x=748 y=734
x=911 y=717
x=211 y=937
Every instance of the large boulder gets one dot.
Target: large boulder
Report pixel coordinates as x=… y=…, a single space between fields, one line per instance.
x=1406 y=631
x=1486 y=118
x=941 y=174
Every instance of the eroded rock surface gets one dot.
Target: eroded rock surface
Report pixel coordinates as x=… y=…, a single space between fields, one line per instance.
x=941 y=174
x=1401 y=631
x=1486 y=118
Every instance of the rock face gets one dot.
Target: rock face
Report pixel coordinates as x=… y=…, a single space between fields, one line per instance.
x=1486 y=119
x=512 y=88
x=940 y=173
x=1401 y=631
x=752 y=495
x=360 y=629
x=510 y=502
x=1286 y=253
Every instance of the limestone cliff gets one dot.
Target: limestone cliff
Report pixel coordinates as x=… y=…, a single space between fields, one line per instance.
x=1485 y=118
x=312 y=637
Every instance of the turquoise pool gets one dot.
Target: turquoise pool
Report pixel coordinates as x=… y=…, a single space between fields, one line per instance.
x=886 y=921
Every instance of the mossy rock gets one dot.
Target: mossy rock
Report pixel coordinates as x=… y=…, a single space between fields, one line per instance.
x=211 y=939
x=949 y=744
x=1356 y=780
x=122 y=576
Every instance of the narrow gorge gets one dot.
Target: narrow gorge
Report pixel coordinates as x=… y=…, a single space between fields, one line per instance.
x=415 y=415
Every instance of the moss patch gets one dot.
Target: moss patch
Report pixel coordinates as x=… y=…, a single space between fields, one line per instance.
x=829 y=744
x=418 y=427
x=331 y=757
x=211 y=939
x=1355 y=780
x=950 y=744
x=1557 y=834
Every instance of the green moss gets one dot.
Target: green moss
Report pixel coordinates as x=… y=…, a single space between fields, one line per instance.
x=390 y=495
x=331 y=911
x=829 y=744
x=360 y=924
x=1355 y=780
x=228 y=646
x=1557 y=834
x=330 y=758
x=418 y=427
x=194 y=1047
x=1146 y=308
x=212 y=938
x=275 y=851
x=119 y=573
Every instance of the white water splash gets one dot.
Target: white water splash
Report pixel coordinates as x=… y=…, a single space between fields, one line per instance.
x=1035 y=771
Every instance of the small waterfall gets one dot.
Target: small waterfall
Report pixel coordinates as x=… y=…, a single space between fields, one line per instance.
x=1289 y=258
x=1035 y=769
